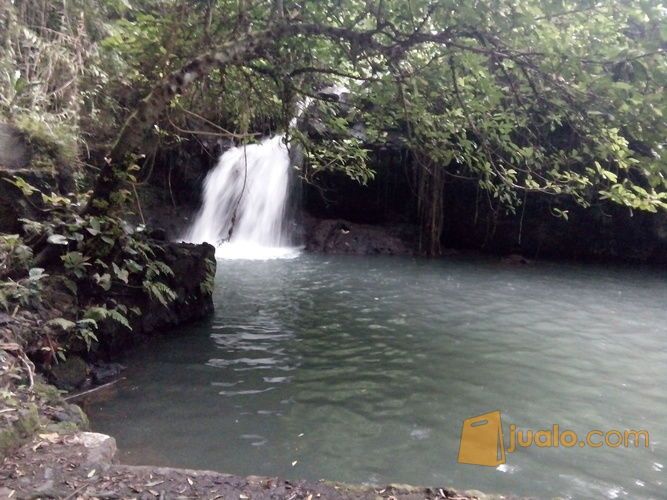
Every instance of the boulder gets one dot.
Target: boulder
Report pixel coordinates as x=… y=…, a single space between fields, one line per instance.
x=102 y=372
x=191 y=265
x=100 y=449
x=339 y=236
x=14 y=149
x=69 y=374
x=194 y=270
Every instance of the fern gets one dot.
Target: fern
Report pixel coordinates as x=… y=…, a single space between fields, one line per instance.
x=63 y=323
x=164 y=268
x=119 y=317
x=158 y=268
x=97 y=313
x=160 y=292
x=208 y=284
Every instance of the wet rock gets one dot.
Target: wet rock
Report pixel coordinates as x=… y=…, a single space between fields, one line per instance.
x=194 y=270
x=158 y=234
x=515 y=259
x=342 y=237
x=14 y=149
x=69 y=374
x=102 y=373
x=193 y=265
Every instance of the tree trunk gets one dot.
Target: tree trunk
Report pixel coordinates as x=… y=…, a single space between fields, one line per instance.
x=139 y=126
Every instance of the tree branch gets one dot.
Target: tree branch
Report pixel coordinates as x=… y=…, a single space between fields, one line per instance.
x=139 y=126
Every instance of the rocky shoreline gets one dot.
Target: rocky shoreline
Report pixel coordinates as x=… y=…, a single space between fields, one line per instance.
x=83 y=465
x=47 y=452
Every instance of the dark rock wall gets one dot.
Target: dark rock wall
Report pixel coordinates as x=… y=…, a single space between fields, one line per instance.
x=338 y=236
x=194 y=270
x=603 y=232
x=171 y=185
x=388 y=199
x=14 y=150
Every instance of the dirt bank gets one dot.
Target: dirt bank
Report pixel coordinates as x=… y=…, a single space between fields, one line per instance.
x=82 y=465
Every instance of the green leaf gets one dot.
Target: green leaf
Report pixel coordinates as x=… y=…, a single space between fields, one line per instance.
x=63 y=323
x=97 y=313
x=104 y=281
x=57 y=239
x=121 y=274
x=36 y=272
x=118 y=317
x=133 y=266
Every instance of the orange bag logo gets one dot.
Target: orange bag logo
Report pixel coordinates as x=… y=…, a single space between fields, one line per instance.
x=482 y=440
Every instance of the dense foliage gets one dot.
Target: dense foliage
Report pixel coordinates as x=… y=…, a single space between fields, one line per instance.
x=565 y=98
x=92 y=261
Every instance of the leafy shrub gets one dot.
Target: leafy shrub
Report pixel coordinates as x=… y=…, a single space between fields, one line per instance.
x=23 y=292
x=96 y=259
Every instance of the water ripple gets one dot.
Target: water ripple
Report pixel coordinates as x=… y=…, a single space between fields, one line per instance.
x=363 y=370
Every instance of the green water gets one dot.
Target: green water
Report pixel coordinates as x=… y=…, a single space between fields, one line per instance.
x=363 y=369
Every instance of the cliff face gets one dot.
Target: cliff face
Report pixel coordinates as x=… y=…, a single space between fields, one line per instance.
x=25 y=330
x=602 y=232
x=388 y=203
x=194 y=269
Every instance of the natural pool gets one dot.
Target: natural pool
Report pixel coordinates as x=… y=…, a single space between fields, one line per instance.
x=363 y=369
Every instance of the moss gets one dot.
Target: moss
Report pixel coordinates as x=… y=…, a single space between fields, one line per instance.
x=70 y=373
x=50 y=394
x=19 y=431
x=54 y=145
x=9 y=440
x=28 y=421
x=85 y=423
x=63 y=427
x=76 y=419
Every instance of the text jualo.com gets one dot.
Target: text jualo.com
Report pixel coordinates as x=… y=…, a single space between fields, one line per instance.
x=483 y=442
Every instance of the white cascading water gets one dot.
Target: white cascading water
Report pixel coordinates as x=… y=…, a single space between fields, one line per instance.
x=247 y=192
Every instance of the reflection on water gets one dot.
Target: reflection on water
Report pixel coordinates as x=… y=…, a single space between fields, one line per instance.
x=362 y=370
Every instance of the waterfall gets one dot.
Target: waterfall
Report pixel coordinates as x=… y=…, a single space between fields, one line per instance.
x=247 y=193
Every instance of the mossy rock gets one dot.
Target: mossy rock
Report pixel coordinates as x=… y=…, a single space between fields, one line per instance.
x=51 y=144
x=48 y=393
x=19 y=431
x=69 y=374
x=15 y=151
x=41 y=410
x=41 y=147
